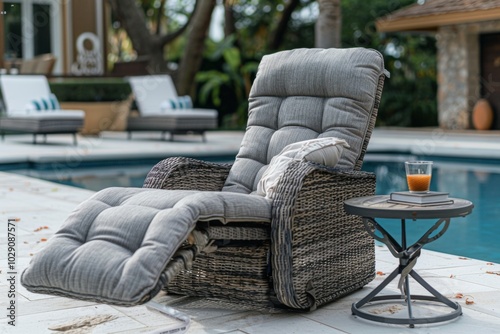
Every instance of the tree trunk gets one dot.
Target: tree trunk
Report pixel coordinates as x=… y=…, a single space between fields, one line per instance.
x=329 y=23
x=159 y=17
x=134 y=22
x=145 y=42
x=193 y=54
x=229 y=21
x=279 y=33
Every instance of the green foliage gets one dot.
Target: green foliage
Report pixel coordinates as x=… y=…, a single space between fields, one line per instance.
x=90 y=90
x=409 y=97
x=229 y=66
x=257 y=19
x=232 y=74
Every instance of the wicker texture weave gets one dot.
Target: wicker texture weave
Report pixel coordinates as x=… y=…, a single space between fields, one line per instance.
x=187 y=174
x=312 y=252
x=319 y=253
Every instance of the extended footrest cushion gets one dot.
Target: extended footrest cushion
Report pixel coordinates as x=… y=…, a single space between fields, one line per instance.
x=114 y=247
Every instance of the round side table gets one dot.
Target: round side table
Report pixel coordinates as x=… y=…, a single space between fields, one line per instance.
x=372 y=207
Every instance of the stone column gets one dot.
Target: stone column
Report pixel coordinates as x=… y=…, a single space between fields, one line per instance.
x=453 y=90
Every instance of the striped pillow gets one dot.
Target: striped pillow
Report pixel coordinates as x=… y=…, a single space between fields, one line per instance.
x=42 y=104
x=181 y=102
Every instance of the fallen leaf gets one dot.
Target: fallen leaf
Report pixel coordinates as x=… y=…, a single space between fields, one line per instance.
x=43 y=239
x=380 y=273
x=459 y=295
x=83 y=323
x=493 y=273
x=469 y=301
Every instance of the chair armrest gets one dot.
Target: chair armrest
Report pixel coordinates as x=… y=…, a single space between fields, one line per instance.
x=187 y=174
x=316 y=247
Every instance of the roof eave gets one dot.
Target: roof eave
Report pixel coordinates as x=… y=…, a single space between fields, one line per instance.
x=432 y=22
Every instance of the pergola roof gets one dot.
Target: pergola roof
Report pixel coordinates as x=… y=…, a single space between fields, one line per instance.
x=434 y=13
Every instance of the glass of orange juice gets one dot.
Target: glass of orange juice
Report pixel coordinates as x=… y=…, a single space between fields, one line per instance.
x=418 y=175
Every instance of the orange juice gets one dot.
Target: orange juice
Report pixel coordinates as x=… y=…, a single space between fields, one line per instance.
x=418 y=182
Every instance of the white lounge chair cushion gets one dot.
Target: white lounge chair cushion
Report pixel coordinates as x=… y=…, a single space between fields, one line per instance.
x=325 y=151
x=114 y=247
x=47 y=114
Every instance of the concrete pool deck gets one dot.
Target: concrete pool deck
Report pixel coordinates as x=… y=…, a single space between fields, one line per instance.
x=37 y=204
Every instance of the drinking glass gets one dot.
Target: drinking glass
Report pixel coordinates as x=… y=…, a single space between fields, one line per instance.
x=418 y=176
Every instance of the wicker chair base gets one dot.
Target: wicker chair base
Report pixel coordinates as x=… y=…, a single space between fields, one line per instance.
x=242 y=274
x=233 y=273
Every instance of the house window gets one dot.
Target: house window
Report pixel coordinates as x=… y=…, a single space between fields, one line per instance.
x=42 y=41
x=30 y=28
x=13 y=30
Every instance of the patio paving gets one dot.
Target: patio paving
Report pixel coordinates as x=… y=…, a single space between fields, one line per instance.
x=39 y=204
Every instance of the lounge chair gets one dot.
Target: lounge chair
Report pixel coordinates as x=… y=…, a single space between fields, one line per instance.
x=268 y=230
x=153 y=94
x=22 y=96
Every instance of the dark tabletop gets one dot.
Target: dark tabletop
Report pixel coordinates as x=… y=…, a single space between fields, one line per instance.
x=378 y=207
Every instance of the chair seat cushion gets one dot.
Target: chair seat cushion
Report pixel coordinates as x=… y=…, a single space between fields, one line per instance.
x=47 y=114
x=42 y=123
x=188 y=119
x=115 y=246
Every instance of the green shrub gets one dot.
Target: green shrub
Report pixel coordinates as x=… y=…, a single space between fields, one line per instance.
x=90 y=89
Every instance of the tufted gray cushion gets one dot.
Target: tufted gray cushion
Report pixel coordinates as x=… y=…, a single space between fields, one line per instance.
x=114 y=246
x=290 y=102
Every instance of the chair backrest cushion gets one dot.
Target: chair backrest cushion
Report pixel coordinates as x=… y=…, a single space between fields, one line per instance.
x=304 y=94
x=151 y=91
x=20 y=90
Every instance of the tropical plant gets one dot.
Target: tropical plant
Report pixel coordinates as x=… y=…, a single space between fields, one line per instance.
x=235 y=75
x=409 y=97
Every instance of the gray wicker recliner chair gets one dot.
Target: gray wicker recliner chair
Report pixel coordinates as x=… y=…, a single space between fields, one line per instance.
x=298 y=249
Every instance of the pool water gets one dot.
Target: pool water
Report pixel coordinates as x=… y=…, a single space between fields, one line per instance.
x=474 y=236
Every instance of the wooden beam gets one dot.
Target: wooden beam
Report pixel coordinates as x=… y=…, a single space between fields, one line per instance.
x=65 y=47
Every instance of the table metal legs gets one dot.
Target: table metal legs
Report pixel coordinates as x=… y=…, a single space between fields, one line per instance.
x=407 y=258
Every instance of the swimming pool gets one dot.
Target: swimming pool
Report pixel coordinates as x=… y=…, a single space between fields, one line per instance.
x=97 y=175
x=474 y=236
